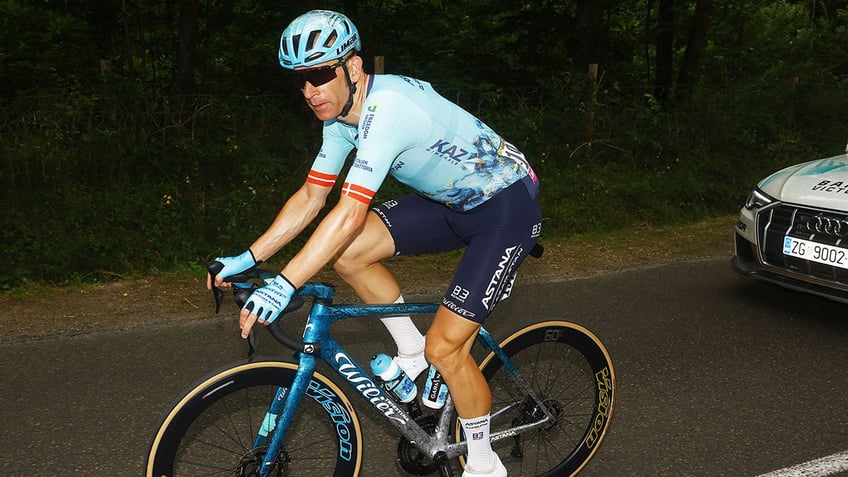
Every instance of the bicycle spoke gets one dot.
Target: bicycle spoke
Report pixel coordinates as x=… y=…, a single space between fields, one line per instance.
x=212 y=433
x=560 y=363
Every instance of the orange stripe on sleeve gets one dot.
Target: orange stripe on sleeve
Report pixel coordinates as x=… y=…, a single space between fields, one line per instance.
x=321 y=179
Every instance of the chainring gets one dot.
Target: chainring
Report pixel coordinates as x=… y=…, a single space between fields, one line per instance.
x=410 y=458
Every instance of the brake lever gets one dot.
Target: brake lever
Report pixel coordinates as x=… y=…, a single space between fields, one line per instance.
x=242 y=289
x=214 y=268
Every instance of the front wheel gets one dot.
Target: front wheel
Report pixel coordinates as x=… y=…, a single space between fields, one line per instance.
x=571 y=370
x=218 y=427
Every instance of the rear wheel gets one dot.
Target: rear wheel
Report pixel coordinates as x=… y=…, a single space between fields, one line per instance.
x=213 y=428
x=571 y=370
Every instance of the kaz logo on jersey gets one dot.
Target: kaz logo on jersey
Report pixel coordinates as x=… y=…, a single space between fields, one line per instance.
x=448 y=151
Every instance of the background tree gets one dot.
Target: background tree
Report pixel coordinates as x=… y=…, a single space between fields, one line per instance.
x=664 y=49
x=695 y=46
x=187 y=46
x=590 y=32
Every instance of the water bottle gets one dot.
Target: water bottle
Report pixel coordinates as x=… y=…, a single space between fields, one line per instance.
x=435 y=390
x=394 y=379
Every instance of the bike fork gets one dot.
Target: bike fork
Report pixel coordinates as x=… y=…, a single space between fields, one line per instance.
x=290 y=403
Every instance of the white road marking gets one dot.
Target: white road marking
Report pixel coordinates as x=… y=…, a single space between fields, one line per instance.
x=830 y=465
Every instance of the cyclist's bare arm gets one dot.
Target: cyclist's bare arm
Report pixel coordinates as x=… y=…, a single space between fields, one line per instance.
x=333 y=234
x=298 y=211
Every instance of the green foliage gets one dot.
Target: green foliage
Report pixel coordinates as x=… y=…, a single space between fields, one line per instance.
x=106 y=172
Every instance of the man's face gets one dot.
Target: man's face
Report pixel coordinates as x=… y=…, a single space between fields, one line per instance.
x=324 y=88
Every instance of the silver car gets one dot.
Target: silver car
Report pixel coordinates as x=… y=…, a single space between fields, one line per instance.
x=793 y=229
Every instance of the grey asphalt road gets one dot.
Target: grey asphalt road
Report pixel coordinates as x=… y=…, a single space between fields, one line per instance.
x=717 y=376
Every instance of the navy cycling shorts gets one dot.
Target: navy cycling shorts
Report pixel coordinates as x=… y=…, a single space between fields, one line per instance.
x=497 y=235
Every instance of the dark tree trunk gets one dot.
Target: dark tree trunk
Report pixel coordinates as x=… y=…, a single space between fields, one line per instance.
x=104 y=19
x=665 y=50
x=687 y=77
x=589 y=32
x=187 y=47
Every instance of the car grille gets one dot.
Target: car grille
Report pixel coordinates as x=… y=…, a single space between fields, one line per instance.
x=776 y=223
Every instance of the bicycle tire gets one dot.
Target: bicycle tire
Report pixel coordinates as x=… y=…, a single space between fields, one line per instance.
x=572 y=371
x=212 y=427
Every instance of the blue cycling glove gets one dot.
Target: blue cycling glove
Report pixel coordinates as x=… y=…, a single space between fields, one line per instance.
x=237 y=264
x=267 y=302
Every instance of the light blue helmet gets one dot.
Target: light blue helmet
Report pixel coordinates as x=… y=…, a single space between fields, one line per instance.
x=316 y=37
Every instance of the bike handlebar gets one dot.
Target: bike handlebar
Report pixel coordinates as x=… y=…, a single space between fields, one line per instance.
x=243 y=285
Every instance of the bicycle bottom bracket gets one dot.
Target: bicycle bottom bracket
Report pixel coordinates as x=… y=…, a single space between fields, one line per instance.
x=252 y=461
x=410 y=458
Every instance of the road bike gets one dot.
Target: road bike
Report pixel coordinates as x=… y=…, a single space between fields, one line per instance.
x=552 y=383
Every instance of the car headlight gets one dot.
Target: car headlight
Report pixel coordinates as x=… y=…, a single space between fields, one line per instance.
x=757 y=199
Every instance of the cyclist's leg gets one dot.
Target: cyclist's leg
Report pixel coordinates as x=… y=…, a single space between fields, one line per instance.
x=449 y=342
x=499 y=233
x=410 y=225
x=359 y=263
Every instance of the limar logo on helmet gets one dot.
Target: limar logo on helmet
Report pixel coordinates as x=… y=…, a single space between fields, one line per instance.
x=347 y=45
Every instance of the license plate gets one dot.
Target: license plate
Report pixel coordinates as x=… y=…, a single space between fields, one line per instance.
x=815 y=252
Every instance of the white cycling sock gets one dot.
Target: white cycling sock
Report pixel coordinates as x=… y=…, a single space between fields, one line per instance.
x=409 y=340
x=480 y=454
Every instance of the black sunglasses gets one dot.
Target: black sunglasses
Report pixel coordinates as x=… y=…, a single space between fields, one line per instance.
x=315 y=76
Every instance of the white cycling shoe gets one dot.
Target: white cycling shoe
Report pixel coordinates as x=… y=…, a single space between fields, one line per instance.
x=497 y=471
x=413 y=367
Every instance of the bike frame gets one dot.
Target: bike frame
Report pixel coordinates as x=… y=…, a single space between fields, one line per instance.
x=318 y=344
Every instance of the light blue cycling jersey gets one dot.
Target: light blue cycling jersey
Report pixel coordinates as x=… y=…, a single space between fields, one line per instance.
x=428 y=143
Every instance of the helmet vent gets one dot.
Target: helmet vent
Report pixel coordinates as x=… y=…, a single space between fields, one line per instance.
x=313 y=37
x=295 y=43
x=331 y=40
x=314 y=56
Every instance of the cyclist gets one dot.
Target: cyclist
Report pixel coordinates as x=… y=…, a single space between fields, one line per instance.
x=472 y=190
